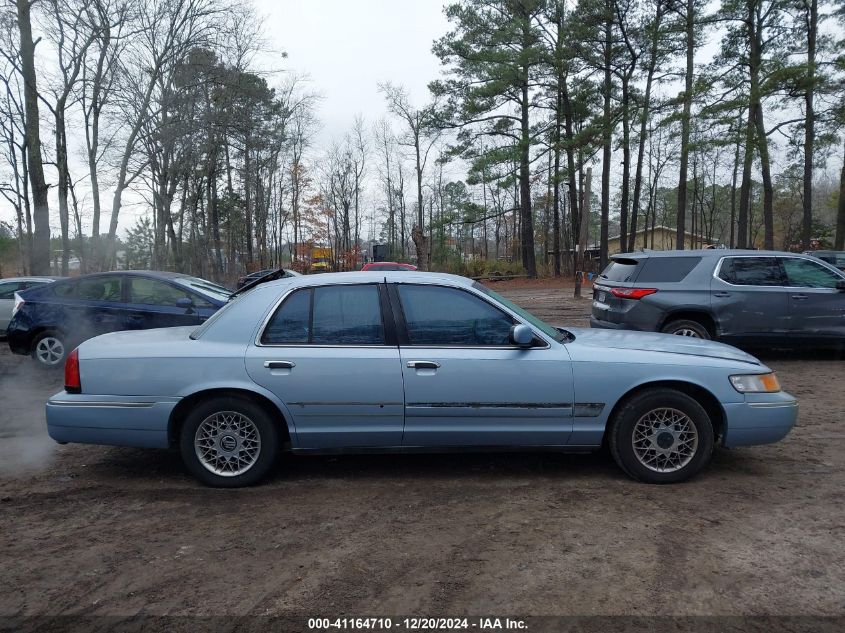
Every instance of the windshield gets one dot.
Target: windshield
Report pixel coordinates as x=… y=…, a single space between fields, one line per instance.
x=208 y=288
x=545 y=328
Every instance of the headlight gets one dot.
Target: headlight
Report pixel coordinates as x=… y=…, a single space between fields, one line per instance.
x=756 y=383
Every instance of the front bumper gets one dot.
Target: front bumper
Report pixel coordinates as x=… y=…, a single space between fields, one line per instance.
x=761 y=419
x=138 y=421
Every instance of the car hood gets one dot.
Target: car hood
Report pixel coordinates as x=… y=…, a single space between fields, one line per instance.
x=654 y=342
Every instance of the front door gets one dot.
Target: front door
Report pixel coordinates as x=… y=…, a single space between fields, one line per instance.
x=466 y=385
x=748 y=297
x=325 y=353
x=156 y=303
x=816 y=306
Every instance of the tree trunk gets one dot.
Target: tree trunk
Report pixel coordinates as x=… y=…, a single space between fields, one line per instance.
x=40 y=251
x=644 y=112
x=685 y=127
x=528 y=258
x=812 y=17
x=839 y=241
x=607 y=136
x=626 y=166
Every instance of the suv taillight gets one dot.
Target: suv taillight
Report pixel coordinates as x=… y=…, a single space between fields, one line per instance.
x=632 y=293
x=72 y=382
x=18 y=304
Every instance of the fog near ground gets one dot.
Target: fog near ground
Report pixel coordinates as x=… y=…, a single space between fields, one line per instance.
x=24 y=443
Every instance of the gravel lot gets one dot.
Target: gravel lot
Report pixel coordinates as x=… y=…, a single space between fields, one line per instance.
x=88 y=530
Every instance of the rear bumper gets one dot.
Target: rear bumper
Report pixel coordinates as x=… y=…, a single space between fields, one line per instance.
x=761 y=419
x=608 y=325
x=138 y=421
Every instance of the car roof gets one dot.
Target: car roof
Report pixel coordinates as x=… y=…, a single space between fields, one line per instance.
x=372 y=276
x=704 y=252
x=30 y=278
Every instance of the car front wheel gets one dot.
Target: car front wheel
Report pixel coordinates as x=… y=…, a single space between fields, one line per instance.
x=229 y=442
x=49 y=350
x=661 y=436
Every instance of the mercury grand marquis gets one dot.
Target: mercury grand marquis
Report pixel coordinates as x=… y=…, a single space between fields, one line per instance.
x=399 y=361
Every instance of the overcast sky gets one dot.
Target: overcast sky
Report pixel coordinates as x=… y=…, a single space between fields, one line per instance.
x=349 y=46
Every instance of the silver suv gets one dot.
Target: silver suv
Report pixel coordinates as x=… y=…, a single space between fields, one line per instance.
x=739 y=297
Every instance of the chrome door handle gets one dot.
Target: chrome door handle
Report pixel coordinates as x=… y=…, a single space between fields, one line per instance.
x=279 y=364
x=799 y=297
x=423 y=364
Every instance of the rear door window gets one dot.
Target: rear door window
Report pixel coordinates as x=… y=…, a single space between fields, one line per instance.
x=99 y=289
x=751 y=271
x=666 y=269
x=623 y=270
x=328 y=315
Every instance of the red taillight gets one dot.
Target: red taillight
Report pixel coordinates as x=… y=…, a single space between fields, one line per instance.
x=632 y=293
x=72 y=382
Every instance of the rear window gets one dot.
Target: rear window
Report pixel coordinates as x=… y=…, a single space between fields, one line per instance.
x=621 y=270
x=666 y=269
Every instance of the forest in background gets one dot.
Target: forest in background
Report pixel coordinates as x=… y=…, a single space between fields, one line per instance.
x=553 y=127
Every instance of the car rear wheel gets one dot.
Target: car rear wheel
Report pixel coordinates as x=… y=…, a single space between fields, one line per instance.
x=49 y=350
x=229 y=442
x=686 y=327
x=661 y=436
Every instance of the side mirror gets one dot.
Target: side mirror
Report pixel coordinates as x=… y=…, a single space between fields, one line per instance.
x=521 y=335
x=185 y=302
x=840 y=285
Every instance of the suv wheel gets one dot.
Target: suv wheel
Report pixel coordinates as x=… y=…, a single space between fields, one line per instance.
x=49 y=350
x=686 y=327
x=661 y=436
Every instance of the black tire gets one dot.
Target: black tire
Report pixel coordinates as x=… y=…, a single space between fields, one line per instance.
x=687 y=327
x=45 y=348
x=622 y=439
x=263 y=425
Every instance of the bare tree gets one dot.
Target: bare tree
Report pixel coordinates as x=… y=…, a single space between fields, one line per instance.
x=421 y=135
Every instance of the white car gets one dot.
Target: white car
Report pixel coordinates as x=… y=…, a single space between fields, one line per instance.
x=8 y=288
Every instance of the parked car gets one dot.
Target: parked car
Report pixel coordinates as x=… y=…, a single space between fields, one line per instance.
x=8 y=288
x=836 y=258
x=742 y=297
x=392 y=266
x=258 y=274
x=51 y=320
x=400 y=361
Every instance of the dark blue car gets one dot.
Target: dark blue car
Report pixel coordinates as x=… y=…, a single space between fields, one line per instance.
x=48 y=322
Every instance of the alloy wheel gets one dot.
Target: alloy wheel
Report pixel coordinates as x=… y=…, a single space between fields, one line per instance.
x=227 y=443
x=665 y=440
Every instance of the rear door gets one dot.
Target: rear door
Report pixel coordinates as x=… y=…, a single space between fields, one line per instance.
x=329 y=355
x=92 y=306
x=816 y=306
x=466 y=384
x=749 y=298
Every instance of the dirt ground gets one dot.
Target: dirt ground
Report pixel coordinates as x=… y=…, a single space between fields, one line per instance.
x=88 y=530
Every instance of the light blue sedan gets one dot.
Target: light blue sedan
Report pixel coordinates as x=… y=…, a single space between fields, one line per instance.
x=397 y=361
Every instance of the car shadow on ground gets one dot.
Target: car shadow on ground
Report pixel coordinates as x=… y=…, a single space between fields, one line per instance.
x=119 y=464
